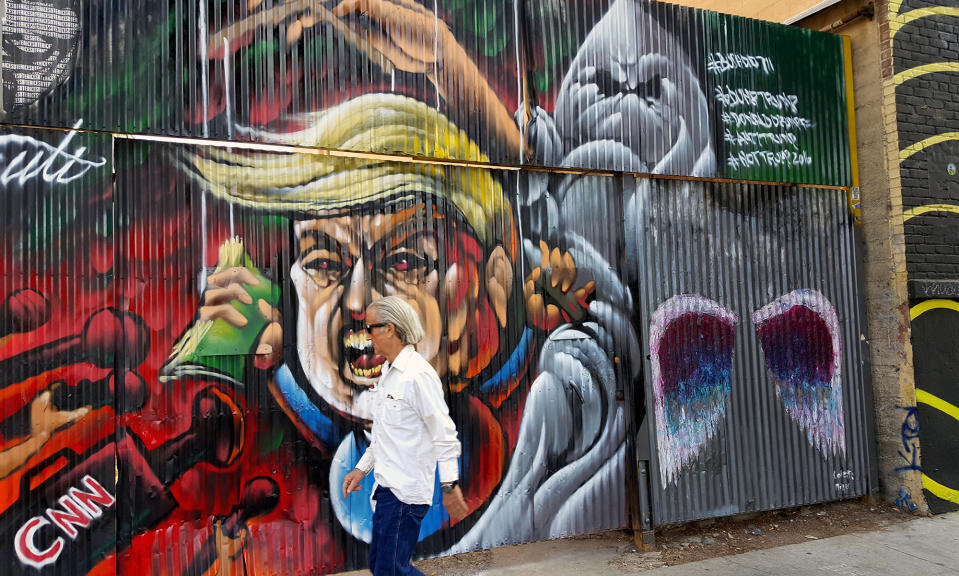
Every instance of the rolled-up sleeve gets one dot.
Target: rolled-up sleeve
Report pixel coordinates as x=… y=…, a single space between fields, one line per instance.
x=432 y=408
x=367 y=460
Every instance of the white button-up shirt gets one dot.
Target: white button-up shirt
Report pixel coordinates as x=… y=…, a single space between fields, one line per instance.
x=412 y=431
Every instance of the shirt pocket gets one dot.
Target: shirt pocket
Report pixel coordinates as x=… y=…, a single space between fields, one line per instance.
x=397 y=412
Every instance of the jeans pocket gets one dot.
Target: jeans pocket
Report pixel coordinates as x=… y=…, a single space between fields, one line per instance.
x=419 y=511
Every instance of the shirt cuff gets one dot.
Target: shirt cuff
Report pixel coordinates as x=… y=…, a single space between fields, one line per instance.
x=365 y=465
x=449 y=471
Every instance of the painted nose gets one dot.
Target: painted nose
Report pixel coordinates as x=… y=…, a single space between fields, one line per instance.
x=357 y=293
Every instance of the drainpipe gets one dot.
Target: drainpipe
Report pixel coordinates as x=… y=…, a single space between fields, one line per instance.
x=867 y=10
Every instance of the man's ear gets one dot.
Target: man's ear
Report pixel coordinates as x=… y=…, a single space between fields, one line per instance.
x=499 y=282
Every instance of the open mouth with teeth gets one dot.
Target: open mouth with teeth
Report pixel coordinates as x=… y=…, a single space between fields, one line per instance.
x=362 y=365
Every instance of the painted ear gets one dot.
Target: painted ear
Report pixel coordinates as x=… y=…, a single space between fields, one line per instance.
x=799 y=334
x=691 y=342
x=499 y=282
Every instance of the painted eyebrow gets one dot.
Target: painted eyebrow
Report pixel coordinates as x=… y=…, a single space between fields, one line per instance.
x=321 y=240
x=390 y=243
x=411 y=230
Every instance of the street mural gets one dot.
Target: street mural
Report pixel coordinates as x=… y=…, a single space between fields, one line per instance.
x=184 y=368
x=748 y=339
x=691 y=343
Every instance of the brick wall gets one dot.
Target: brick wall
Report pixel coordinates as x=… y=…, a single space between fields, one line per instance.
x=925 y=40
x=928 y=107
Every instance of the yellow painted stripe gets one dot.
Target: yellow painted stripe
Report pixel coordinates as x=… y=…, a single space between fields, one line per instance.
x=940 y=490
x=937 y=403
x=944 y=492
x=932 y=140
x=927 y=305
x=920 y=210
x=926 y=69
x=898 y=21
x=850 y=110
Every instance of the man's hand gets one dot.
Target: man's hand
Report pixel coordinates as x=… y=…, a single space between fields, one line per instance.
x=455 y=504
x=228 y=286
x=352 y=482
x=552 y=295
x=45 y=419
x=228 y=549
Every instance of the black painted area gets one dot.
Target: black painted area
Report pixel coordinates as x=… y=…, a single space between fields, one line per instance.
x=927 y=106
x=934 y=337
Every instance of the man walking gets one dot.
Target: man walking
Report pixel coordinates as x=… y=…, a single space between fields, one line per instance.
x=412 y=434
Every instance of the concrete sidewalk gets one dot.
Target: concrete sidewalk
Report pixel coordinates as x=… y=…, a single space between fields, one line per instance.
x=924 y=546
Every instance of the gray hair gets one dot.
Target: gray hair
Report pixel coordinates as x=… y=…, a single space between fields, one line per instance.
x=397 y=311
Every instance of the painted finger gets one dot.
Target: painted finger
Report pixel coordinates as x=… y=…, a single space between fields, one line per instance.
x=536 y=310
x=553 y=317
x=234 y=275
x=294 y=31
x=271 y=342
x=215 y=296
x=543 y=254
x=556 y=267
x=570 y=272
x=269 y=313
x=63 y=418
x=224 y=311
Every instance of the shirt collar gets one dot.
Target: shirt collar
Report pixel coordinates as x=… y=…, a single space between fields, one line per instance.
x=403 y=358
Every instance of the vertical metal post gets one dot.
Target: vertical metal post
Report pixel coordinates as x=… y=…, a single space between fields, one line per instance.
x=643 y=535
x=3 y=22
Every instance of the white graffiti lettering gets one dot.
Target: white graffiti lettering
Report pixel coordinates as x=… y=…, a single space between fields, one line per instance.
x=27 y=550
x=761 y=138
x=735 y=97
x=844 y=479
x=764 y=120
x=745 y=159
x=24 y=158
x=719 y=62
x=77 y=509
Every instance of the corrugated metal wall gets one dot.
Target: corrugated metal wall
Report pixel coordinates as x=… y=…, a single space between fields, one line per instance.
x=202 y=197
x=750 y=299
x=647 y=87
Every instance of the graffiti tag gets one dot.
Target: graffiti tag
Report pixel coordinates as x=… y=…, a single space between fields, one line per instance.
x=843 y=479
x=910 y=439
x=760 y=138
x=743 y=159
x=734 y=97
x=763 y=120
x=760 y=127
x=718 y=62
x=77 y=510
x=25 y=158
x=905 y=500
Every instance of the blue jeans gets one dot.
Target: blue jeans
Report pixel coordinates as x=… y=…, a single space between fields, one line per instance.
x=396 y=530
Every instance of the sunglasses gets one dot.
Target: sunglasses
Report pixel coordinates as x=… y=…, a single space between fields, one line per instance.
x=369 y=327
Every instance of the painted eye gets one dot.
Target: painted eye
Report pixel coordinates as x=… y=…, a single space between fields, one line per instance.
x=406 y=262
x=322 y=264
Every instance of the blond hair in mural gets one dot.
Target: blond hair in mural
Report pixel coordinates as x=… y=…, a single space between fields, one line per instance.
x=378 y=123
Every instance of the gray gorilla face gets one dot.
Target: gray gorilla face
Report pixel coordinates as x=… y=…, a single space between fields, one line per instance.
x=631 y=86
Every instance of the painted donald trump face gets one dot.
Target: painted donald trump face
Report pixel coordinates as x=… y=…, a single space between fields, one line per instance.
x=435 y=262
